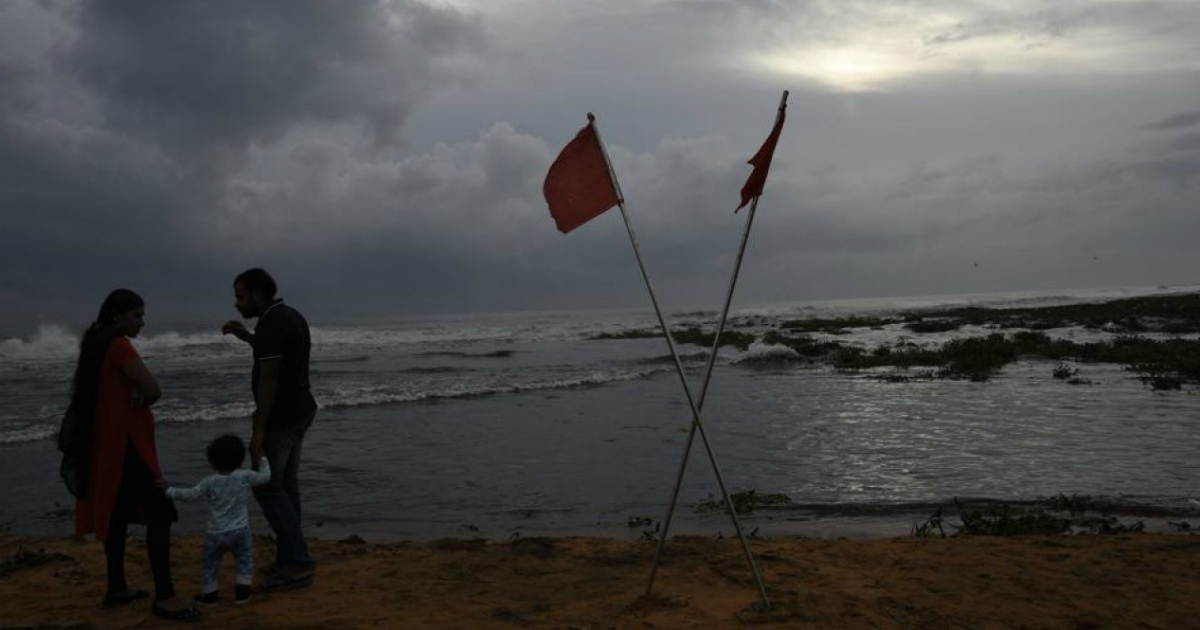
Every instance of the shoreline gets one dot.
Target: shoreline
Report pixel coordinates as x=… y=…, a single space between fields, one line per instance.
x=438 y=499
x=586 y=582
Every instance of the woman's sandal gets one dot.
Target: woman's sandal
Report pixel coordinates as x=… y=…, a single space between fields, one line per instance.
x=189 y=613
x=115 y=600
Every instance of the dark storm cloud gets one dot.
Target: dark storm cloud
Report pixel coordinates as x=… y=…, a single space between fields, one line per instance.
x=1186 y=142
x=1035 y=23
x=1178 y=121
x=231 y=73
x=168 y=148
x=123 y=127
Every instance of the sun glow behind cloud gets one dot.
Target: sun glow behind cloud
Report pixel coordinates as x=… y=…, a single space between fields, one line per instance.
x=877 y=50
x=845 y=69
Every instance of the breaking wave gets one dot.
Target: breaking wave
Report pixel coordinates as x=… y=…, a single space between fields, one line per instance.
x=760 y=352
x=50 y=342
x=378 y=396
x=344 y=397
x=498 y=354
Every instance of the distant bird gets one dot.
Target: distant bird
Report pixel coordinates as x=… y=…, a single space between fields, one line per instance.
x=976 y=264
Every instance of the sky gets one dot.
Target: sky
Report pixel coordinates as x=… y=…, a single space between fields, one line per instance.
x=383 y=158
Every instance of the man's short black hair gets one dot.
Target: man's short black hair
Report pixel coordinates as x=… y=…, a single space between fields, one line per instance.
x=257 y=280
x=227 y=453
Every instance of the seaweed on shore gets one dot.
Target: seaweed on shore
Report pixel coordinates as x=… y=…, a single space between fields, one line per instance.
x=1173 y=314
x=936 y=325
x=637 y=333
x=743 y=502
x=691 y=334
x=1164 y=364
x=1064 y=371
x=906 y=376
x=25 y=558
x=804 y=345
x=694 y=335
x=1006 y=520
x=836 y=326
x=902 y=355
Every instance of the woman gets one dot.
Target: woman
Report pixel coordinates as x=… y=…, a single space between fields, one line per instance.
x=112 y=382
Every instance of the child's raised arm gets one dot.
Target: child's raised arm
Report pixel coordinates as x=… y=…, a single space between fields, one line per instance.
x=262 y=475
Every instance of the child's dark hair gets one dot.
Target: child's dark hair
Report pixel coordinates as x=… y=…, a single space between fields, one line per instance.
x=227 y=453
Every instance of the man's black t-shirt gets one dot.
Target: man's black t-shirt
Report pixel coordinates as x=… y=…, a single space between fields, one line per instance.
x=282 y=333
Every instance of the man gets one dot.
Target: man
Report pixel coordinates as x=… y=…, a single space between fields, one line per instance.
x=284 y=409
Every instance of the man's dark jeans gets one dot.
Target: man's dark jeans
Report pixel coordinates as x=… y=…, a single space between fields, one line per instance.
x=280 y=499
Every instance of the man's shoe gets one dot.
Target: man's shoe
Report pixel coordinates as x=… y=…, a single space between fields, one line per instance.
x=286 y=580
x=208 y=599
x=242 y=594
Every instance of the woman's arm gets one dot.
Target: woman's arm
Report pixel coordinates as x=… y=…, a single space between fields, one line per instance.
x=143 y=381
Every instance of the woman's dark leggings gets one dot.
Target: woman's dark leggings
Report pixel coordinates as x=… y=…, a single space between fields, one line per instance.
x=137 y=488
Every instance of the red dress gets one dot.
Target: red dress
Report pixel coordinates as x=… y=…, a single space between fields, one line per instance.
x=118 y=424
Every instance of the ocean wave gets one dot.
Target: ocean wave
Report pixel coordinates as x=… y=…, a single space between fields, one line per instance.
x=884 y=306
x=53 y=342
x=353 y=359
x=47 y=426
x=667 y=359
x=439 y=334
x=172 y=341
x=28 y=434
x=49 y=342
x=440 y=369
x=173 y=413
x=177 y=413
x=376 y=396
x=498 y=354
x=760 y=352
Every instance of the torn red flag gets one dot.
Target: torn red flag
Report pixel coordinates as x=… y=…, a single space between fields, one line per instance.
x=762 y=163
x=579 y=186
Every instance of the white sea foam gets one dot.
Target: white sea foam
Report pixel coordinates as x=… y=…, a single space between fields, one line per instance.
x=426 y=335
x=343 y=396
x=172 y=340
x=53 y=343
x=28 y=434
x=760 y=352
x=1015 y=299
x=396 y=366
x=367 y=396
x=50 y=342
x=199 y=413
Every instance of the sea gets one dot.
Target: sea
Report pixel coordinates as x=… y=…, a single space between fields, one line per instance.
x=499 y=426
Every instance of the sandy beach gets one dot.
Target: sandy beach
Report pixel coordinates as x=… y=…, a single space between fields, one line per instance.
x=1069 y=582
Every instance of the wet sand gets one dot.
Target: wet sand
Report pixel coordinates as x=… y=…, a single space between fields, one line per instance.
x=1070 y=582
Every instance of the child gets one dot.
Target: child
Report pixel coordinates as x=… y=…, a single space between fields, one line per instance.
x=228 y=524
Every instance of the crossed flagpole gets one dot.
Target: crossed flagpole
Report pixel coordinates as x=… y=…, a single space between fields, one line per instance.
x=582 y=184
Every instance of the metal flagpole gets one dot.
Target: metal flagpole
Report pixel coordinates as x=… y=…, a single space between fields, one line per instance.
x=696 y=420
x=712 y=359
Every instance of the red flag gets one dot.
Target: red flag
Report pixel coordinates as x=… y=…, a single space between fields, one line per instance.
x=762 y=163
x=579 y=187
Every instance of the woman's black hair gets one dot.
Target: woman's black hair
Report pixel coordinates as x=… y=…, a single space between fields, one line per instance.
x=96 y=340
x=76 y=432
x=227 y=453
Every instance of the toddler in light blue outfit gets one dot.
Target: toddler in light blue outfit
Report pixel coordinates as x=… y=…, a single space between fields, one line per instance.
x=228 y=524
